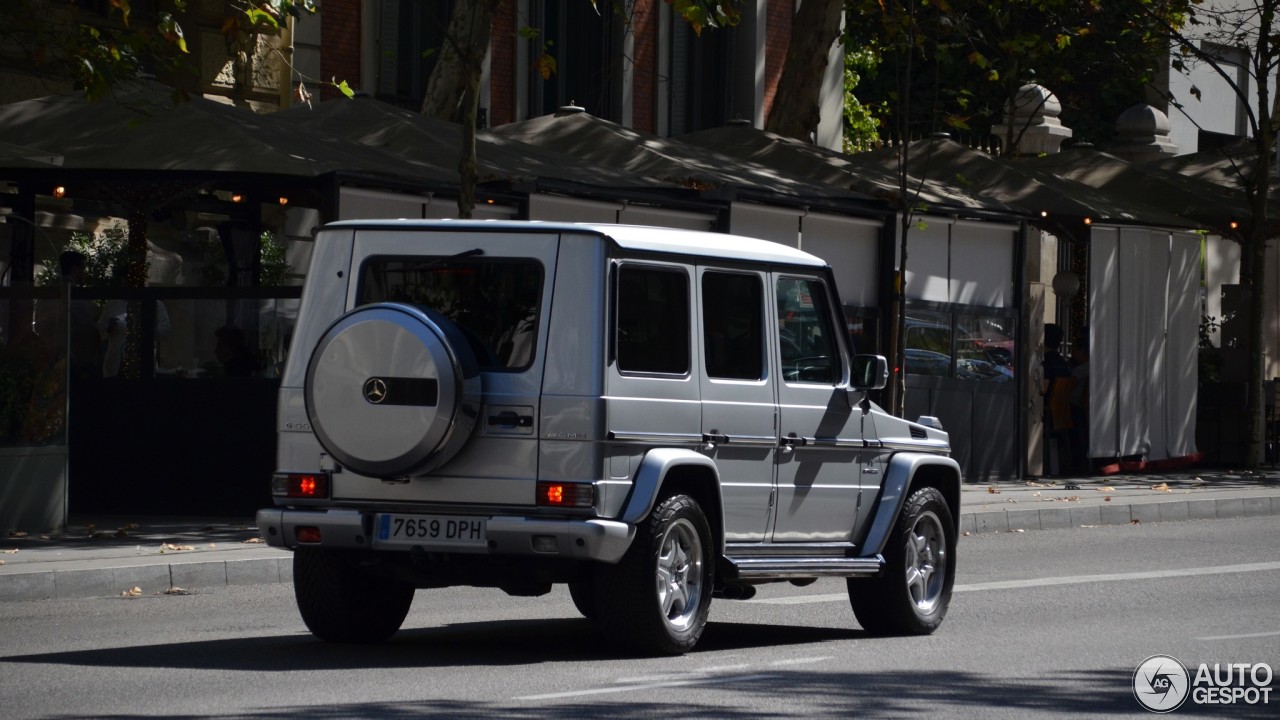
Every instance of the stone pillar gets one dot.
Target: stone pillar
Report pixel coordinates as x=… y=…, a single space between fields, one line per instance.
x=1032 y=127
x=1143 y=134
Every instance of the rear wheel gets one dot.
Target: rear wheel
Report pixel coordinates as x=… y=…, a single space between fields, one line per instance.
x=583 y=594
x=658 y=596
x=912 y=594
x=342 y=603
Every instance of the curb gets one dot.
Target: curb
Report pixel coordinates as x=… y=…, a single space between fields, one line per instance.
x=149 y=578
x=1058 y=518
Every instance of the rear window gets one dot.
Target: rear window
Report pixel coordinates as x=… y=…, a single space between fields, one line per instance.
x=495 y=301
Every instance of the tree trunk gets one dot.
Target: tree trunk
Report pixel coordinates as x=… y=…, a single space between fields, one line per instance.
x=453 y=90
x=795 y=112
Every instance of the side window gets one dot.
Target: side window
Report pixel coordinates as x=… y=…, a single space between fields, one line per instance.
x=733 y=325
x=652 y=321
x=806 y=337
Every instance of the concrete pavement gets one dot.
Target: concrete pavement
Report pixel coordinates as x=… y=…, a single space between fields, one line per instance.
x=115 y=556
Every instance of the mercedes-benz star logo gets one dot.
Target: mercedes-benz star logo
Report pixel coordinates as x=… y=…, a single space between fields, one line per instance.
x=375 y=390
x=1160 y=683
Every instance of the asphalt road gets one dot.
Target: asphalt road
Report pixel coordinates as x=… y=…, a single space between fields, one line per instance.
x=1044 y=624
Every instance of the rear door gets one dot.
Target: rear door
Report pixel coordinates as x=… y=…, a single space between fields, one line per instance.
x=739 y=417
x=497 y=288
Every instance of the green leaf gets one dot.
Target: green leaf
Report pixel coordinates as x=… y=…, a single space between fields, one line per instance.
x=344 y=88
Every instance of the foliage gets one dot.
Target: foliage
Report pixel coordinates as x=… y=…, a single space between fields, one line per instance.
x=970 y=58
x=96 y=53
x=706 y=13
x=861 y=126
x=273 y=267
x=103 y=252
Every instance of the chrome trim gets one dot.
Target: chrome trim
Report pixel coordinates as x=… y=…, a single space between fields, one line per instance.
x=782 y=568
x=929 y=446
x=835 y=442
x=654 y=437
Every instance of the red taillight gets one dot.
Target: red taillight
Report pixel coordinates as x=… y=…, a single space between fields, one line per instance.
x=579 y=495
x=302 y=485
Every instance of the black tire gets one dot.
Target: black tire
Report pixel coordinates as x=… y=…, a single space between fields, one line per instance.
x=341 y=603
x=912 y=594
x=672 y=546
x=584 y=597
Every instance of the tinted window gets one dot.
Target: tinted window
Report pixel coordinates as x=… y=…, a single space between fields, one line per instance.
x=496 y=302
x=653 y=320
x=806 y=337
x=733 y=326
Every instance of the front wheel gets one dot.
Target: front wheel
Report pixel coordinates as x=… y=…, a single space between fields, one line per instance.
x=912 y=594
x=342 y=603
x=658 y=596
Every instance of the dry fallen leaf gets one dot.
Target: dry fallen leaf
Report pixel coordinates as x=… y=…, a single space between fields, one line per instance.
x=1162 y=487
x=121 y=533
x=1135 y=521
x=1105 y=489
x=1073 y=498
x=1107 y=498
x=991 y=489
x=1018 y=530
x=251 y=540
x=178 y=591
x=1033 y=483
x=17 y=533
x=1035 y=494
x=171 y=546
x=966 y=533
x=11 y=552
x=134 y=591
x=1 y=562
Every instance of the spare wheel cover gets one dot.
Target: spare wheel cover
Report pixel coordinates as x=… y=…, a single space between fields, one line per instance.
x=392 y=390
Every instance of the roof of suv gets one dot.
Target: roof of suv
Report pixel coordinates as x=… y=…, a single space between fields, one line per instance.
x=630 y=237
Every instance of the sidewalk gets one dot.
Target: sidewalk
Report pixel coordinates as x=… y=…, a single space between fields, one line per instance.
x=119 y=556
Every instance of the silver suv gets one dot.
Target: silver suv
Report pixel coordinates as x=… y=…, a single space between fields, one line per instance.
x=655 y=417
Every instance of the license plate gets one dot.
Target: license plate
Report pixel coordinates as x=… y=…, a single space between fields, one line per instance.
x=412 y=530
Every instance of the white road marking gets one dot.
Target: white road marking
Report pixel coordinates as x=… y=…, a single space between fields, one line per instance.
x=1048 y=582
x=649 y=686
x=1240 y=637
x=800 y=661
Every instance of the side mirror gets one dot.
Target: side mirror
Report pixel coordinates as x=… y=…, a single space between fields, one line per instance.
x=869 y=372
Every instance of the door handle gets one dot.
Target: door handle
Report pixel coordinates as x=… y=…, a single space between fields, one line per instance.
x=710 y=439
x=510 y=419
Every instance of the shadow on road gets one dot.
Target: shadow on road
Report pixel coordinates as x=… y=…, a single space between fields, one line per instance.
x=508 y=642
x=811 y=694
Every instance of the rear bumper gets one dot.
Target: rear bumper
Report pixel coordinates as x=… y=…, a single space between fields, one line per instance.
x=588 y=539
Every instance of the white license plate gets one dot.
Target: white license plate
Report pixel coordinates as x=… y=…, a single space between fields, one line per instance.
x=390 y=529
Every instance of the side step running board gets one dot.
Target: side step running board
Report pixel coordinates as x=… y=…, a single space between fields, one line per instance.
x=782 y=568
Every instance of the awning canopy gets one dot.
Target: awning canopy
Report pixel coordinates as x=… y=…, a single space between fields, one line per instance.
x=678 y=163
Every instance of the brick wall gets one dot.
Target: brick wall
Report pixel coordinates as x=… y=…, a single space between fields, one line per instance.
x=645 y=73
x=502 y=65
x=777 y=38
x=339 y=44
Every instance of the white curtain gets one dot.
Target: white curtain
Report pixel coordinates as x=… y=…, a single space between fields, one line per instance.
x=982 y=264
x=852 y=247
x=1144 y=317
x=781 y=225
